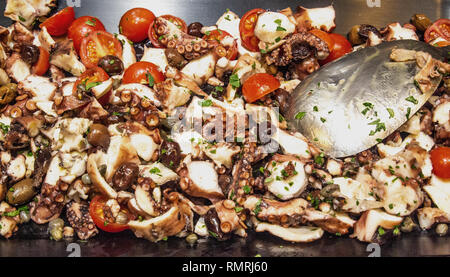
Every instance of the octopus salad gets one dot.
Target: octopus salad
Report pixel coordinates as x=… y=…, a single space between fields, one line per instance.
x=166 y=129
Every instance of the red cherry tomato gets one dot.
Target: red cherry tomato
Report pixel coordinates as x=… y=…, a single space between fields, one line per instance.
x=440 y=28
x=42 y=65
x=154 y=38
x=97 y=45
x=217 y=36
x=440 y=158
x=341 y=47
x=96 y=212
x=139 y=73
x=323 y=36
x=59 y=23
x=134 y=24
x=258 y=85
x=92 y=75
x=82 y=27
x=247 y=29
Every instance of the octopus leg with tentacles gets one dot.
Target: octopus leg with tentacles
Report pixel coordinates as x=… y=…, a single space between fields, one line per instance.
x=172 y=37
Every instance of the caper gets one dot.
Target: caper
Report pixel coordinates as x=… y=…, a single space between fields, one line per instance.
x=98 y=135
x=86 y=179
x=21 y=192
x=421 y=22
x=354 y=37
x=111 y=64
x=7 y=93
x=407 y=225
x=121 y=218
x=192 y=238
x=441 y=229
x=24 y=216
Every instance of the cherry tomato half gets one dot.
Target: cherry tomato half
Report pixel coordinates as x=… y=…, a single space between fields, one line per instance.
x=134 y=24
x=154 y=38
x=440 y=28
x=247 y=29
x=258 y=85
x=217 y=36
x=341 y=47
x=43 y=63
x=59 y=23
x=82 y=27
x=139 y=73
x=97 y=45
x=440 y=158
x=92 y=75
x=323 y=36
x=96 y=212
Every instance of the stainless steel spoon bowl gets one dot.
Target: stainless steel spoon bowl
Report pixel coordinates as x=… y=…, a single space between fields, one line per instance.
x=352 y=103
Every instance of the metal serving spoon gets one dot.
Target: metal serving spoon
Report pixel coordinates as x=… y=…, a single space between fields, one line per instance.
x=353 y=103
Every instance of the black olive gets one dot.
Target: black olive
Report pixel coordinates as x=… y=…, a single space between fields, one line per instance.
x=300 y=51
x=195 y=29
x=364 y=30
x=125 y=176
x=224 y=181
x=170 y=154
x=282 y=97
x=174 y=58
x=29 y=53
x=111 y=64
x=212 y=223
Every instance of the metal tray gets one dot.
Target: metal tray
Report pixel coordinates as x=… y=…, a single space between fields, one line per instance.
x=348 y=13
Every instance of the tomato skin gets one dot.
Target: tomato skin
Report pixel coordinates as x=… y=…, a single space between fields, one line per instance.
x=96 y=212
x=247 y=29
x=102 y=41
x=440 y=158
x=440 y=28
x=259 y=85
x=43 y=63
x=216 y=36
x=137 y=73
x=59 y=23
x=153 y=37
x=82 y=27
x=92 y=75
x=324 y=36
x=341 y=47
x=134 y=24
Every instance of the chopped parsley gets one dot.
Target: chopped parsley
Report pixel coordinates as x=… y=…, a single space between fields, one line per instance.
x=315 y=108
x=319 y=159
x=234 y=81
x=379 y=126
x=408 y=112
x=238 y=209
x=257 y=209
x=381 y=231
x=300 y=115
x=91 y=22
x=323 y=120
x=4 y=127
x=22 y=19
x=412 y=100
x=277 y=39
x=391 y=112
x=151 y=80
x=92 y=84
x=206 y=103
x=155 y=170
x=247 y=189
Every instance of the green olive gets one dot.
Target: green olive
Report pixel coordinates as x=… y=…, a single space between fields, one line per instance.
x=354 y=37
x=98 y=135
x=21 y=192
x=7 y=93
x=192 y=238
x=407 y=225
x=421 y=22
